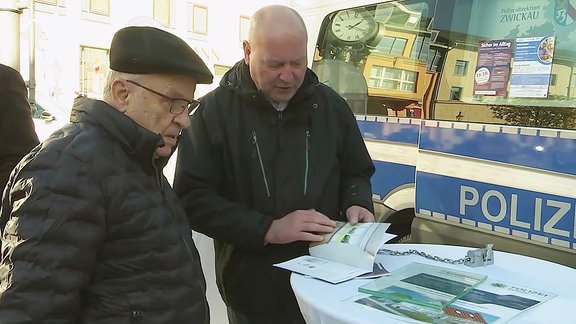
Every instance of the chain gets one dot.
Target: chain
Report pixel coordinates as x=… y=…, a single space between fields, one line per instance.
x=425 y=255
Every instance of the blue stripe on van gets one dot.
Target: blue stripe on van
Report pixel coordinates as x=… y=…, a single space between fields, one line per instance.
x=389 y=131
x=390 y=176
x=536 y=216
x=536 y=151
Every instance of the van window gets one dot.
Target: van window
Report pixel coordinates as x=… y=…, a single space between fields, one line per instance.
x=480 y=61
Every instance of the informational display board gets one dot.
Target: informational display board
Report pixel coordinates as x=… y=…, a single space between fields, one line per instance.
x=532 y=67
x=493 y=67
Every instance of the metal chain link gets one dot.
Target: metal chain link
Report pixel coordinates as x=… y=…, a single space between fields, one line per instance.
x=425 y=255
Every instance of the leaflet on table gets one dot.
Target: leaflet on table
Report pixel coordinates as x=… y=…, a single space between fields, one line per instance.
x=348 y=252
x=424 y=284
x=491 y=302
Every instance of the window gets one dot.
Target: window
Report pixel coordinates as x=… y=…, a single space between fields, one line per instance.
x=392 y=79
x=391 y=45
x=162 y=11
x=244 y=27
x=460 y=67
x=420 y=48
x=100 y=7
x=455 y=93
x=93 y=70
x=199 y=19
x=553 y=78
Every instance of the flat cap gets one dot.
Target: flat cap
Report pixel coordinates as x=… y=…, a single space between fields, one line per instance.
x=145 y=50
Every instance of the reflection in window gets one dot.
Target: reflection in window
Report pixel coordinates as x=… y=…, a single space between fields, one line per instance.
x=391 y=45
x=162 y=11
x=100 y=7
x=455 y=93
x=392 y=79
x=420 y=48
x=460 y=67
x=434 y=60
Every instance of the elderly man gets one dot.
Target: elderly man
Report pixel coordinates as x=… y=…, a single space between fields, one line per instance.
x=272 y=159
x=93 y=231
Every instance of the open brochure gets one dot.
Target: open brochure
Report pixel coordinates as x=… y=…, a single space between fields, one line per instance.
x=424 y=284
x=348 y=252
x=491 y=302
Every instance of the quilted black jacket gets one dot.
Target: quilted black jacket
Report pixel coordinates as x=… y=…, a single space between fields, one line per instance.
x=94 y=233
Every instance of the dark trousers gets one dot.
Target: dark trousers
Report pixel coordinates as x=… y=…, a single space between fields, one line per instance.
x=235 y=317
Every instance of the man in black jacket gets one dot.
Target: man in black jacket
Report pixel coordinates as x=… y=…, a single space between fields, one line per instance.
x=271 y=160
x=94 y=233
x=17 y=134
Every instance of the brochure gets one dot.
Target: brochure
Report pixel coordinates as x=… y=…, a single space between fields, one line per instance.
x=491 y=302
x=348 y=252
x=424 y=284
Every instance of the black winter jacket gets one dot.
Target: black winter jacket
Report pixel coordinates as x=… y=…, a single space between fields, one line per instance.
x=242 y=164
x=95 y=233
x=17 y=135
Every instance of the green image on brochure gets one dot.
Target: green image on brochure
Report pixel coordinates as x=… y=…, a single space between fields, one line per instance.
x=424 y=284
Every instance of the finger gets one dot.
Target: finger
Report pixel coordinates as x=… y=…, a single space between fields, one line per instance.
x=367 y=218
x=310 y=237
x=353 y=218
x=317 y=228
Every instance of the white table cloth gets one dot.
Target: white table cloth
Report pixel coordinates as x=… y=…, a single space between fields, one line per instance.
x=322 y=302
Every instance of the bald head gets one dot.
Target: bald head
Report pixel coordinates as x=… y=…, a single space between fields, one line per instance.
x=276 y=52
x=276 y=21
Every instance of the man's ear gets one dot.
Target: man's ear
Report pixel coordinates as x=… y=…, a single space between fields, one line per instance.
x=247 y=51
x=120 y=93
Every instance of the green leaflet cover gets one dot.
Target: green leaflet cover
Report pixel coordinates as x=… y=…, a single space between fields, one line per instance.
x=424 y=284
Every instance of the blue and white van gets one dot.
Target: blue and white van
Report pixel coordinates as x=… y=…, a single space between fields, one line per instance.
x=468 y=110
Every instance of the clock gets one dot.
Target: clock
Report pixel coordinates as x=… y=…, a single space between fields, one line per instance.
x=354 y=25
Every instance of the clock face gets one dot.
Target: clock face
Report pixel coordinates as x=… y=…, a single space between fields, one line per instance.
x=354 y=25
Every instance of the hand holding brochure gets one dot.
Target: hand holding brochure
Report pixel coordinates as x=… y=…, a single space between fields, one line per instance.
x=424 y=284
x=348 y=252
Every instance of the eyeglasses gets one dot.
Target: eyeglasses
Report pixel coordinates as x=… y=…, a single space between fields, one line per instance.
x=177 y=105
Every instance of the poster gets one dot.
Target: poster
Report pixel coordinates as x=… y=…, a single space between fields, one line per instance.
x=532 y=67
x=492 y=67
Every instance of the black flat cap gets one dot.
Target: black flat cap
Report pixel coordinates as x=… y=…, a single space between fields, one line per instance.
x=145 y=50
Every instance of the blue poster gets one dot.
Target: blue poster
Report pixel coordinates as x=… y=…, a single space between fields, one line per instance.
x=532 y=67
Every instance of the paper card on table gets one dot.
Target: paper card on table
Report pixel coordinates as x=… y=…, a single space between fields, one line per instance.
x=349 y=251
x=424 y=284
x=492 y=302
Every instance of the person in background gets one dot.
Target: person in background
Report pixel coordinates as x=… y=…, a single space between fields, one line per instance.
x=17 y=133
x=273 y=158
x=93 y=231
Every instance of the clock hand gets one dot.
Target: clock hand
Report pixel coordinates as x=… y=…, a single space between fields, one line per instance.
x=356 y=24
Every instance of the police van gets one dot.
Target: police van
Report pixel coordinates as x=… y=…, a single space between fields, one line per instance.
x=468 y=110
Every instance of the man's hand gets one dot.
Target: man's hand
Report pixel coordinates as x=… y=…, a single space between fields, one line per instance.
x=356 y=214
x=299 y=225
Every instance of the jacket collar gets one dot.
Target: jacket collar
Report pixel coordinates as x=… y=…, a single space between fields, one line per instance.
x=238 y=79
x=136 y=140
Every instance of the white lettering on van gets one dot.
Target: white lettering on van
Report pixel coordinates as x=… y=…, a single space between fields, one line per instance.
x=514 y=212
x=464 y=190
x=563 y=209
x=502 y=213
x=470 y=197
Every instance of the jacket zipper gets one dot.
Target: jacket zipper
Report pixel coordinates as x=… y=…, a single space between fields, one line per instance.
x=255 y=142
x=307 y=162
